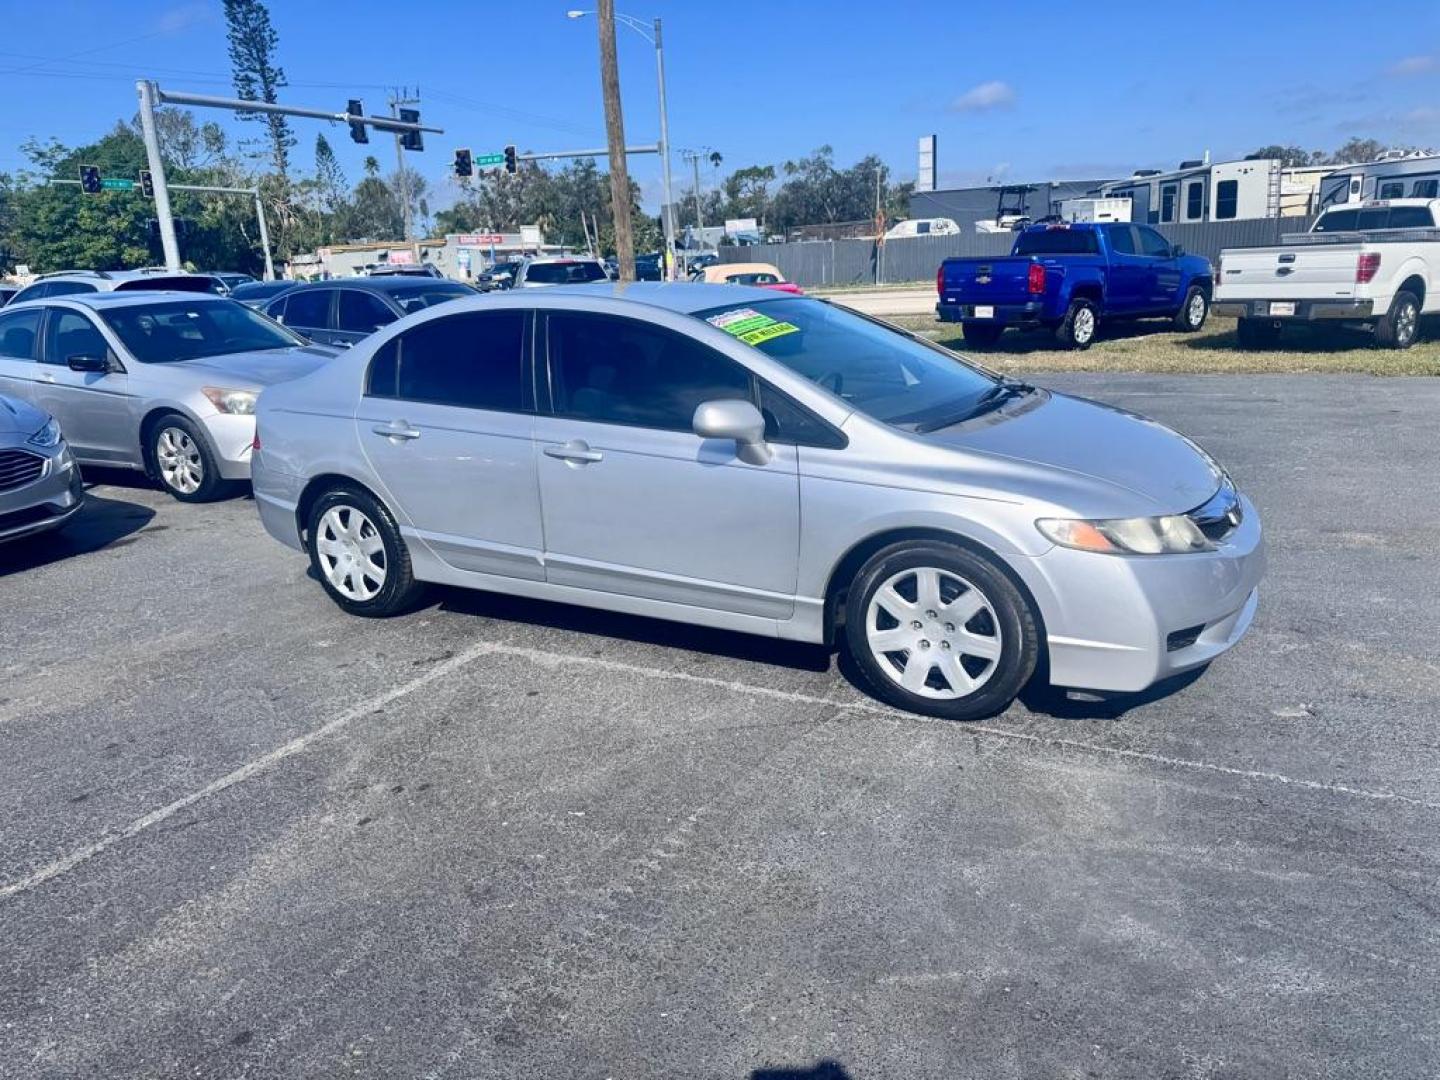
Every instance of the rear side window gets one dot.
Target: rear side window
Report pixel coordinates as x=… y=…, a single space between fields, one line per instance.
x=565 y=273
x=1410 y=217
x=1338 y=221
x=1227 y=199
x=308 y=308
x=1056 y=242
x=471 y=361
x=62 y=288
x=619 y=371
x=17 y=334
x=363 y=312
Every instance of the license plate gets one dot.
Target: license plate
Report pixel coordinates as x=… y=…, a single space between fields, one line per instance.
x=984 y=311
x=1282 y=307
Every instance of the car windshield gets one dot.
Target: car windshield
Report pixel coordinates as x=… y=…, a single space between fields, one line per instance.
x=565 y=273
x=1056 y=242
x=892 y=376
x=192 y=330
x=417 y=296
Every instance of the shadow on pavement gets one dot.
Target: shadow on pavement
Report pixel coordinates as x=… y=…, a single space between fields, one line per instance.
x=102 y=523
x=821 y=1070
x=1019 y=342
x=1040 y=697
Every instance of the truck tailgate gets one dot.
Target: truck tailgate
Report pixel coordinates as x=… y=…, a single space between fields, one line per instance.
x=1291 y=272
x=1002 y=280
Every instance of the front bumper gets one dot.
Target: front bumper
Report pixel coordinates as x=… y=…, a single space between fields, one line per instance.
x=1122 y=623
x=44 y=504
x=1305 y=310
x=231 y=436
x=1027 y=314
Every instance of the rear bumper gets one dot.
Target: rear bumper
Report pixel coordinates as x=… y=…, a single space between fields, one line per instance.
x=46 y=504
x=1028 y=314
x=1305 y=310
x=1121 y=624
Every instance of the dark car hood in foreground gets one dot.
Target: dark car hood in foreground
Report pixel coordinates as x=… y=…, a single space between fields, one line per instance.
x=19 y=418
x=1086 y=438
x=270 y=366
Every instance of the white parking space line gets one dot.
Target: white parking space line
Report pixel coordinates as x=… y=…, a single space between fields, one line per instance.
x=545 y=658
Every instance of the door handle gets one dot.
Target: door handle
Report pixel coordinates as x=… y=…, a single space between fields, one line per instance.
x=576 y=452
x=397 y=429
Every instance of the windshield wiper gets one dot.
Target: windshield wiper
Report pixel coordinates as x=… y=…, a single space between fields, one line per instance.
x=989 y=401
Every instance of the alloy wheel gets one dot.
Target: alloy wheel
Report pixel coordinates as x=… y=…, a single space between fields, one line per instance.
x=1406 y=320
x=351 y=553
x=1196 y=312
x=1083 y=328
x=179 y=461
x=933 y=633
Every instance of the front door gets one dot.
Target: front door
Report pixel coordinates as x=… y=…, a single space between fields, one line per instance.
x=95 y=409
x=637 y=504
x=446 y=425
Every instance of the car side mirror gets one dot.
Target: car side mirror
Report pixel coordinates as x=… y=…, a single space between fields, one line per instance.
x=738 y=420
x=99 y=365
x=1176 y=251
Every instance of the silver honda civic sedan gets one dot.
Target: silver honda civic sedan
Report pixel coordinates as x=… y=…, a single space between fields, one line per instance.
x=164 y=382
x=771 y=464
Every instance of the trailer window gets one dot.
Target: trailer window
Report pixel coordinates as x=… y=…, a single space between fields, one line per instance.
x=1167 y=202
x=1392 y=189
x=1426 y=189
x=1227 y=199
x=1194 y=200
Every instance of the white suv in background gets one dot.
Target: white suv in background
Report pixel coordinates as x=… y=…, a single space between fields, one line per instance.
x=559 y=270
x=75 y=282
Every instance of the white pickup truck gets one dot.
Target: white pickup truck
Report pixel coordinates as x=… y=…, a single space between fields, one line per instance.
x=1375 y=264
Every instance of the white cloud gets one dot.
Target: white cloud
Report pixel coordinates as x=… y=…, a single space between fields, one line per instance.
x=181 y=18
x=1414 y=65
x=984 y=97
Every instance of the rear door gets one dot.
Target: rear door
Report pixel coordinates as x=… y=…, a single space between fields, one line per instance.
x=308 y=312
x=19 y=349
x=359 y=313
x=1162 y=270
x=95 y=409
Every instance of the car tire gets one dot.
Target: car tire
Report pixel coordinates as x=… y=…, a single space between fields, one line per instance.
x=1257 y=333
x=1399 y=327
x=1077 y=331
x=181 y=459
x=347 y=528
x=981 y=335
x=1193 y=312
x=962 y=669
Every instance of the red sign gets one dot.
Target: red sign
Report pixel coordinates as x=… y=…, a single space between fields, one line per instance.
x=479 y=239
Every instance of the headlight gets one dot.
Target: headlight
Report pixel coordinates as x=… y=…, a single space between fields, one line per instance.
x=240 y=402
x=48 y=436
x=1174 y=534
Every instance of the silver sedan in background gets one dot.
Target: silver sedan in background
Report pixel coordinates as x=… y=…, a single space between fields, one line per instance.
x=164 y=382
x=731 y=457
x=40 y=486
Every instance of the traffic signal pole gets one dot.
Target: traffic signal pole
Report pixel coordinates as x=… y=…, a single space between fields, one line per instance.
x=148 y=92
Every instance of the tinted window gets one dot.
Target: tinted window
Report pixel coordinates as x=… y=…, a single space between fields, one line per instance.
x=922 y=227
x=566 y=273
x=17 y=334
x=752 y=279
x=1194 y=199
x=1410 y=217
x=259 y=290
x=1121 y=239
x=788 y=422
x=1167 y=202
x=362 y=312
x=621 y=371
x=163 y=332
x=62 y=288
x=419 y=296
x=474 y=361
x=72 y=334
x=1426 y=189
x=1374 y=217
x=1153 y=244
x=1392 y=190
x=1056 y=242
x=1338 y=221
x=308 y=309
x=1227 y=199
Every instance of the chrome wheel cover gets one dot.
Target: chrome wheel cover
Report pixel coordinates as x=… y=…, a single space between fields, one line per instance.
x=1405 y=322
x=1082 y=327
x=351 y=553
x=1195 y=314
x=933 y=633
x=179 y=461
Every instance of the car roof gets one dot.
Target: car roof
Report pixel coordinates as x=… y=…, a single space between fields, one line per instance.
x=561 y=259
x=385 y=283
x=127 y=298
x=683 y=297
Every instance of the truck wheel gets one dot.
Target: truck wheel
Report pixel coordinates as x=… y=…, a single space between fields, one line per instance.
x=1191 y=316
x=1399 y=327
x=981 y=335
x=1257 y=333
x=1078 y=329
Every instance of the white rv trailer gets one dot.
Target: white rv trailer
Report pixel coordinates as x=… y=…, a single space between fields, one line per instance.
x=1217 y=191
x=1090 y=208
x=1403 y=175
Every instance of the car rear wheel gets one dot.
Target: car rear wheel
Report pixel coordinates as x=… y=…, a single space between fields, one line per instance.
x=183 y=462
x=359 y=556
x=981 y=335
x=1257 y=333
x=941 y=630
x=1077 y=331
x=1192 y=313
x=1400 y=326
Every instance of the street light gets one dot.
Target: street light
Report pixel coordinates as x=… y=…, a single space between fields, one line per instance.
x=638 y=26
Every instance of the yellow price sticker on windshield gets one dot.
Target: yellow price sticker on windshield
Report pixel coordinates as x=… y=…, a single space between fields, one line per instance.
x=766 y=333
x=751 y=327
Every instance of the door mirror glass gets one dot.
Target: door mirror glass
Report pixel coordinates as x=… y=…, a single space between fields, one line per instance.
x=734 y=419
x=98 y=364
x=1177 y=251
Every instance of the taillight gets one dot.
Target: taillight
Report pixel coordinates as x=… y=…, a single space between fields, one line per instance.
x=1035 y=281
x=1219 y=270
x=940 y=282
x=1366 y=267
x=255 y=442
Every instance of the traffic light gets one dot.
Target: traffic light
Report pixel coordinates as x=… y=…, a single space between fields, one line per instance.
x=358 y=131
x=511 y=165
x=90 y=179
x=147 y=184
x=464 y=164
x=411 y=140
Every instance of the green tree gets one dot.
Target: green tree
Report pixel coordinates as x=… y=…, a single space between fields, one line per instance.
x=1289 y=156
x=257 y=75
x=1356 y=150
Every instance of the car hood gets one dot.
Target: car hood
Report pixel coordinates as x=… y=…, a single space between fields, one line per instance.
x=1099 y=442
x=267 y=367
x=20 y=417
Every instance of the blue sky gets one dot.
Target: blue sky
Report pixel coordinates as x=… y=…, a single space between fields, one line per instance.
x=1089 y=95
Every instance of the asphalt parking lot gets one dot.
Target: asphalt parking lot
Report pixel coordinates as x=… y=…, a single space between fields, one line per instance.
x=242 y=834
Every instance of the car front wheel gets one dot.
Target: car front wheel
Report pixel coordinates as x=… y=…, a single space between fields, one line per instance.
x=183 y=462
x=359 y=556
x=1191 y=316
x=941 y=630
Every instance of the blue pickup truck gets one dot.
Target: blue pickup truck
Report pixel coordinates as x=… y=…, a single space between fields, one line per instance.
x=1067 y=278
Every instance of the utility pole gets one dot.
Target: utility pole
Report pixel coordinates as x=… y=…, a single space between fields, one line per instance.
x=402 y=181
x=168 y=243
x=615 y=137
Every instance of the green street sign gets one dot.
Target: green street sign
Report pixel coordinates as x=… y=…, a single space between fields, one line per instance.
x=117 y=185
x=482 y=160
